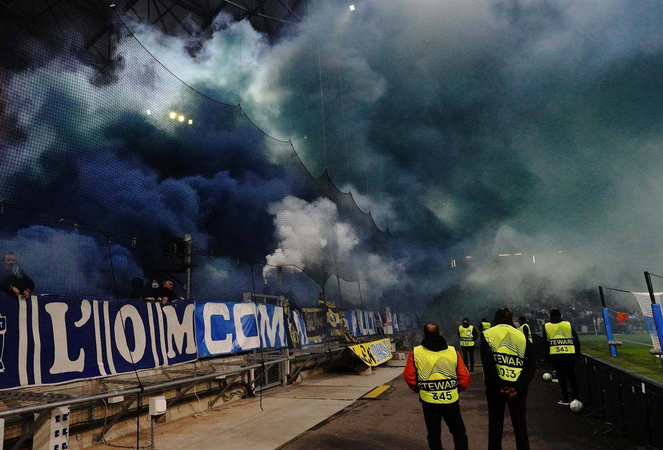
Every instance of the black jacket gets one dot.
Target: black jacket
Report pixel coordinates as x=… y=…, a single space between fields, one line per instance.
x=491 y=378
x=436 y=344
x=9 y=279
x=562 y=356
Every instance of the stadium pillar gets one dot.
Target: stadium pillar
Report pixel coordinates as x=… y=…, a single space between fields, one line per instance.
x=608 y=324
x=655 y=309
x=187 y=264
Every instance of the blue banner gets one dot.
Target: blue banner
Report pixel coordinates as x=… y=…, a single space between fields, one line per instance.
x=226 y=327
x=53 y=339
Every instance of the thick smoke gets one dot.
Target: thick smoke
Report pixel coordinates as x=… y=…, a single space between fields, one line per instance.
x=471 y=129
x=312 y=234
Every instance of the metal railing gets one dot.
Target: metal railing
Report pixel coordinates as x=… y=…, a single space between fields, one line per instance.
x=631 y=403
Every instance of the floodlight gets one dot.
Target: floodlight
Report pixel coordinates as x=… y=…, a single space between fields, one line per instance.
x=181 y=118
x=503 y=254
x=149 y=112
x=190 y=121
x=352 y=7
x=172 y=114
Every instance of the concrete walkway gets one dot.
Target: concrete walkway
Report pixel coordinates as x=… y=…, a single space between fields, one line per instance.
x=288 y=413
x=395 y=421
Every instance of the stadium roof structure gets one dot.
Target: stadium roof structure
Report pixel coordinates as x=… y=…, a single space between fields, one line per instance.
x=93 y=18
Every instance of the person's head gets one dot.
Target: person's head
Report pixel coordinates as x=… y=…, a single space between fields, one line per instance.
x=168 y=284
x=136 y=284
x=555 y=314
x=431 y=330
x=483 y=319
x=155 y=283
x=466 y=322
x=9 y=259
x=504 y=316
x=522 y=320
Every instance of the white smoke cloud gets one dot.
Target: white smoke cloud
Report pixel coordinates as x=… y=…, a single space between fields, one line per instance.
x=309 y=234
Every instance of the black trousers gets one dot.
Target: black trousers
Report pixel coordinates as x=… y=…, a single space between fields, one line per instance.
x=433 y=415
x=468 y=357
x=566 y=370
x=496 y=406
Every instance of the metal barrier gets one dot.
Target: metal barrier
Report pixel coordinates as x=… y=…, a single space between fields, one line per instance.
x=628 y=401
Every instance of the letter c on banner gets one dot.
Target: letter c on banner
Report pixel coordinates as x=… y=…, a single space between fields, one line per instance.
x=216 y=346
x=140 y=341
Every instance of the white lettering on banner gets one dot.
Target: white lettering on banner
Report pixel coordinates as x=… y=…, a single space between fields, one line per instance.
x=61 y=361
x=242 y=310
x=269 y=327
x=36 y=354
x=301 y=329
x=162 y=329
x=216 y=346
x=86 y=311
x=97 y=337
x=109 y=348
x=371 y=322
x=360 y=321
x=22 y=341
x=177 y=331
x=140 y=341
x=150 y=323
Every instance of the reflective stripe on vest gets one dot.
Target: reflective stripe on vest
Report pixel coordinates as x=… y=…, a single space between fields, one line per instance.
x=485 y=325
x=529 y=332
x=436 y=375
x=560 y=337
x=508 y=347
x=466 y=339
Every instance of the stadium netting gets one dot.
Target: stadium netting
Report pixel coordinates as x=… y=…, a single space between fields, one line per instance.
x=117 y=162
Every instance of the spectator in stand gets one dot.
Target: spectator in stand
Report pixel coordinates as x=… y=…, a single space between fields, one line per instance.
x=153 y=292
x=167 y=293
x=13 y=279
x=137 y=288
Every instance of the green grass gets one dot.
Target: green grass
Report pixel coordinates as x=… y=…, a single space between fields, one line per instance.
x=631 y=355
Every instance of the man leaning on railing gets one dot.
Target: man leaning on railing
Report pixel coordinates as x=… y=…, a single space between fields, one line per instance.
x=13 y=279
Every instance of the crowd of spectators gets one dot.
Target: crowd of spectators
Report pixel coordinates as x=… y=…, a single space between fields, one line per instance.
x=15 y=282
x=154 y=291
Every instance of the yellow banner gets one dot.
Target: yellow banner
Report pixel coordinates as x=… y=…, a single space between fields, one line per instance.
x=373 y=353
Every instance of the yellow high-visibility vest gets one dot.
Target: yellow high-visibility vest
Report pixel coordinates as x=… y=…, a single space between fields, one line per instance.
x=508 y=348
x=436 y=375
x=466 y=339
x=529 y=332
x=485 y=325
x=560 y=337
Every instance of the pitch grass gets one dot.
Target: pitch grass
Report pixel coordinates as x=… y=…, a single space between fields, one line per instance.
x=632 y=355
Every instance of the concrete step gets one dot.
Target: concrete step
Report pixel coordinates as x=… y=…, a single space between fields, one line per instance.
x=396 y=362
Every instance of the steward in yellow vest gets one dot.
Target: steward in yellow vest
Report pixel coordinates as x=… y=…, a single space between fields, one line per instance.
x=562 y=347
x=467 y=334
x=485 y=325
x=525 y=329
x=437 y=372
x=508 y=367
